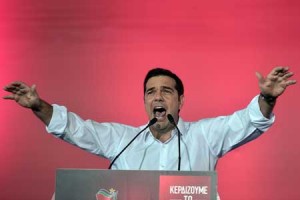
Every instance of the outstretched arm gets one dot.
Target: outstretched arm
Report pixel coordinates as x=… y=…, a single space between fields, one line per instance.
x=272 y=86
x=28 y=97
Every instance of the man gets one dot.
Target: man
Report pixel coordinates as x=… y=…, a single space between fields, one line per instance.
x=202 y=142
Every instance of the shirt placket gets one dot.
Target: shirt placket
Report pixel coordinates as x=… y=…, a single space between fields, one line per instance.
x=163 y=156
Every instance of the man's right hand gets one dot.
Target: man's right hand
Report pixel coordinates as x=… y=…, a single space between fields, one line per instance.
x=27 y=97
x=24 y=95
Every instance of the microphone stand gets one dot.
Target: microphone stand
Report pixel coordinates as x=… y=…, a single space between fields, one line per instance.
x=152 y=121
x=172 y=121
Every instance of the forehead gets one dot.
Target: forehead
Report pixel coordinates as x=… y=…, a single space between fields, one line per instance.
x=159 y=81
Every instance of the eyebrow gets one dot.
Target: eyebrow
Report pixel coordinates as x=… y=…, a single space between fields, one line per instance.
x=163 y=87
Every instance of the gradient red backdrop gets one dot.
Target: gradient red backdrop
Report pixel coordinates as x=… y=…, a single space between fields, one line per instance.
x=92 y=56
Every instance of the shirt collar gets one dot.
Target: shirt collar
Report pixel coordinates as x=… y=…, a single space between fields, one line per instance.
x=181 y=126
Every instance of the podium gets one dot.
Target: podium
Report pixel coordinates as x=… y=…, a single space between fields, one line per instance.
x=95 y=184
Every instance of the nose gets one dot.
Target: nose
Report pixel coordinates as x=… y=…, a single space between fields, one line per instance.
x=158 y=96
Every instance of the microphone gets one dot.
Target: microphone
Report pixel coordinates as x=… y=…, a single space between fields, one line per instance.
x=152 y=121
x=172 y=121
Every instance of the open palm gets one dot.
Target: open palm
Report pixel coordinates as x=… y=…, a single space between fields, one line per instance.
x=275 y=83
x=23 y=94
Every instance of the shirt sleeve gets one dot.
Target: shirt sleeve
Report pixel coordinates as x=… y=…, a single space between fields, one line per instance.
x=226 y=133
x=98 y=138
x=58 y=121
x=258 y=120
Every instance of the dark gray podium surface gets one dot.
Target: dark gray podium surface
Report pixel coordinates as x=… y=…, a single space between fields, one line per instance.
x=92 y=184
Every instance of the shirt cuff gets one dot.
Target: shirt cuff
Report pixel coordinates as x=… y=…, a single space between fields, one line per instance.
x=58 y=121
x=257 y=118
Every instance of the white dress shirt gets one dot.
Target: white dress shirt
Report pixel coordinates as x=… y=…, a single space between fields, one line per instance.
x=202 y=142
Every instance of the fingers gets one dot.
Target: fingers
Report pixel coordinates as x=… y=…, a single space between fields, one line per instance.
x=16 y=84
x=9 y=97
x=259 y=77
x=280 y=76
x=279 y=71
x=16 y=90
x=291 y=82
x=287 y=75
x=22 y=91
x=284 y=76
x=12 y=97
x=33 y=88
x=17 y=87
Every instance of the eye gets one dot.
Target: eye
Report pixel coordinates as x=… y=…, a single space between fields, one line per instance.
x=167 y=91
x=149 y=92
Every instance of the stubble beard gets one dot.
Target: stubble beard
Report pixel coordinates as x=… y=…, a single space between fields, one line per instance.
x=162 y=129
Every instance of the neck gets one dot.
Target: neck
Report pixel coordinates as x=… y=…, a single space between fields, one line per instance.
x=162 y=136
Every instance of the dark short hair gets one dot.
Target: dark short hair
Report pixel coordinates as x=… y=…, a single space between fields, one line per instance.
x=164 y=72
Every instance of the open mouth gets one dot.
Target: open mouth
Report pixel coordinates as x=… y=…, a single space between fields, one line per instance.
x=159 y=112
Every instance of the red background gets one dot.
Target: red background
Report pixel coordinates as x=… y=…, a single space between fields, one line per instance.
x=92 y=56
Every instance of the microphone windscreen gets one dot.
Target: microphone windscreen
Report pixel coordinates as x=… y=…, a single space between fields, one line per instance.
x=152 y=121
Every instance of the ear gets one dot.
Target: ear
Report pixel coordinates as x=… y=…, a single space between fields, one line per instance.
x=181 y=101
